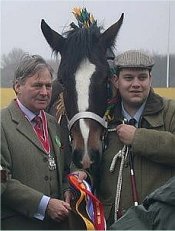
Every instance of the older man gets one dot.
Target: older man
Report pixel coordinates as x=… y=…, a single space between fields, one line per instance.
x=31 y=153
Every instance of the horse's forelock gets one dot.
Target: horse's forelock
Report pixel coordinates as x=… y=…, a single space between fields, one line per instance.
x=80 y=43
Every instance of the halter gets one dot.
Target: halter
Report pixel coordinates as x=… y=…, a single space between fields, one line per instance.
x=60 y=111
x=87 y=115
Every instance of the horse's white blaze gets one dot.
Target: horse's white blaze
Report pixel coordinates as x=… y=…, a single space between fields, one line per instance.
x=85 y=133
x=83 y=78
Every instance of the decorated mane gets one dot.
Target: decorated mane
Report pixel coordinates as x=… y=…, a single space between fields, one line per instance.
x=84 y=18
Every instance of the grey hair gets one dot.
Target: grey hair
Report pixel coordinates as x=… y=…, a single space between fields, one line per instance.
x=29 y=65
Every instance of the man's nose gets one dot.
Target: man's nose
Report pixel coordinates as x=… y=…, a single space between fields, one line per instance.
x=135 y=82
x=43 y=90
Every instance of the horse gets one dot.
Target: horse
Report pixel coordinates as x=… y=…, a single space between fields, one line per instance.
x=83 y=72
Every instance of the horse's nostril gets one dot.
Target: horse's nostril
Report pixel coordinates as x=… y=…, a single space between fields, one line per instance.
x=86 y=161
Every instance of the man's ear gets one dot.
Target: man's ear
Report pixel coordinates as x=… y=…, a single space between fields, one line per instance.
x=16 y=87
x=114 y=81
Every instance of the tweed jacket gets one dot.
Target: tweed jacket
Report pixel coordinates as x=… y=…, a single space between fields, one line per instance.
x=154 y=155
x=27 y=165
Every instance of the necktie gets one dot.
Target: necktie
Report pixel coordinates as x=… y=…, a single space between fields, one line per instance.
x=41 y=130
x=38 y=126
x=132 y=122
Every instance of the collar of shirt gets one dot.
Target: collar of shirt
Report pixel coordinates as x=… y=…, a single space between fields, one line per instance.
x=137 y=114
x=28 y=114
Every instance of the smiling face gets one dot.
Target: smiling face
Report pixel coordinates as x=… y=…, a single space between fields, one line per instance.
x=134 y=86
x=35 y=91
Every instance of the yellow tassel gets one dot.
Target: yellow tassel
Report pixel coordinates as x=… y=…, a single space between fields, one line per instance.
x=76 y=11
x=92 y=18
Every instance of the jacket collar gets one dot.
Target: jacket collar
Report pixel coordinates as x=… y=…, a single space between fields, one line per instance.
x=24 y=126
x=154 y=104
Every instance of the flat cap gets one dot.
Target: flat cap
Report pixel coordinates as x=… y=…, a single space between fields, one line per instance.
x=134 y=58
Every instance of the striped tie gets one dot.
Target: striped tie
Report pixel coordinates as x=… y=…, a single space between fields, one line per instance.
x=38 y=125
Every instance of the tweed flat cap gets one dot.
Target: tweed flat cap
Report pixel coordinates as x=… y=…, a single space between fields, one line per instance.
x=134 y=58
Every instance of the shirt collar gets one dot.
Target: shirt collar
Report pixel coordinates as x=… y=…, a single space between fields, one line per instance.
x=28 y=114
x=137 y=114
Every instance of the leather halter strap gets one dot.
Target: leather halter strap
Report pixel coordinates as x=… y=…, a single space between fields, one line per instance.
x=87 y=115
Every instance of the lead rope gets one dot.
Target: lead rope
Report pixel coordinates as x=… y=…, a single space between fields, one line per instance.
x=123 y=155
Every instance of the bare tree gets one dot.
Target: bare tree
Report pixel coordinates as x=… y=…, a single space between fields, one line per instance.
x=12 y=58
x=10 y=61
x=8 y=66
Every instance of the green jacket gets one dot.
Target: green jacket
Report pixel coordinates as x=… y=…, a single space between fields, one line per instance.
x=157 y=212
x=154 y=155
x=26 y=162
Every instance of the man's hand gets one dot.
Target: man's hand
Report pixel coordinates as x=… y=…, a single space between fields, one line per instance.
x=68 y=196
x=126 y=133
x=58 y=210
x=81 y=175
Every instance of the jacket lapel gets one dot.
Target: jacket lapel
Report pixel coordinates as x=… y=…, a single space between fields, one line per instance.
x=23 y=125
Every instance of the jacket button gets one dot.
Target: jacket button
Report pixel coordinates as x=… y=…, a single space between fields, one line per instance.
x=46 y=178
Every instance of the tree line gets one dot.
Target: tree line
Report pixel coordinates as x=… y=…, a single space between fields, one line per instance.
x=10 y=61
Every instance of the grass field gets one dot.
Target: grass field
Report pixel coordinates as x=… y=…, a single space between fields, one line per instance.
x=7 y=94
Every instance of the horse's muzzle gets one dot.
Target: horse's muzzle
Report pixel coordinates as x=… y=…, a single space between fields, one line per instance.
x=86 y=161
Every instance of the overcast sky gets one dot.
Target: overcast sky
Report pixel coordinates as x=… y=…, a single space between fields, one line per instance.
x=147 y=25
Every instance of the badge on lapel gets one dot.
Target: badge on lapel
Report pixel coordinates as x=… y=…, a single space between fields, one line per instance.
x=58 y=142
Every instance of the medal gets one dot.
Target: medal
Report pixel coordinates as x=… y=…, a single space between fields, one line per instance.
x=52 y=164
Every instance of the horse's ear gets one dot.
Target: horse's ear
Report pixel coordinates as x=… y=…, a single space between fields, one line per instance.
x=107 y=39
x=55 y=40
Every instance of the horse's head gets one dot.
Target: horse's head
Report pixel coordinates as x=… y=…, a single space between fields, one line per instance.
x=84 y=71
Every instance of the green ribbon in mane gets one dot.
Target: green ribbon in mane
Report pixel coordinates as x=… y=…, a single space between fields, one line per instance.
x=84 y=18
